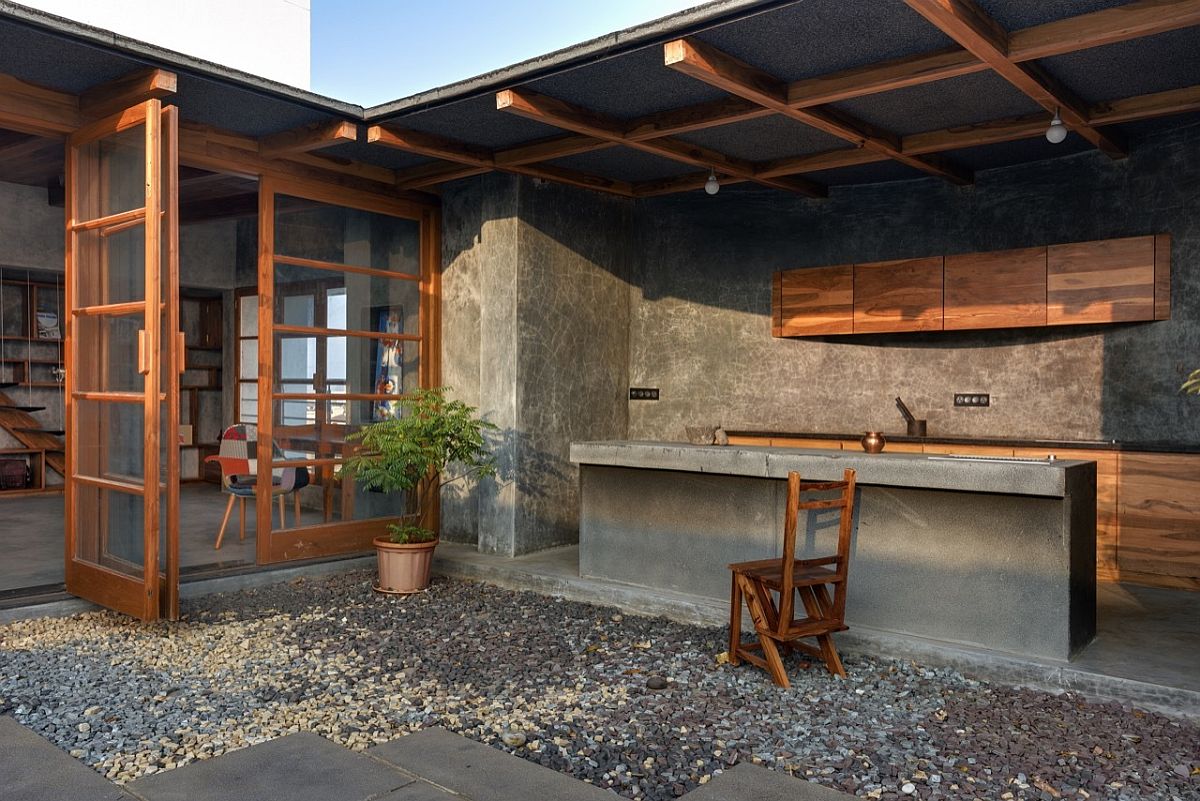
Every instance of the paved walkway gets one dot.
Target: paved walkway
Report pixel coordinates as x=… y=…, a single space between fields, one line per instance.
x=431 y=765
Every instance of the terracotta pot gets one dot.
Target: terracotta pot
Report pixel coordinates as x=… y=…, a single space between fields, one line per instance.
x=873 y=442
x=403 y=569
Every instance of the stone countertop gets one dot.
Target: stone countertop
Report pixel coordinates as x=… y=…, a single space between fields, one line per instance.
x=1055 y=479
x=1156 y=446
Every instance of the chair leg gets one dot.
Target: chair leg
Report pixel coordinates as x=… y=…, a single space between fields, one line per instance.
x=758 y=599
x=242 y=515
x=735 y=619
x=829 y=652
x=296 y=508
x=282 y=522
x=224 y=522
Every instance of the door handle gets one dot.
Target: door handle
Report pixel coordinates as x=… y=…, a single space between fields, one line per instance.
x=180 y=351
x=143 y=354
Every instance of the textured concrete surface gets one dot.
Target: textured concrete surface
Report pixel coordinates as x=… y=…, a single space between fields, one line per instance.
x=883 y=469
x=700 y=328
x=300 y=767
x=748 y=782
x=1150 y=666
x=34 y=769
x=534 y=302
x=987 y=570
x=476 y=771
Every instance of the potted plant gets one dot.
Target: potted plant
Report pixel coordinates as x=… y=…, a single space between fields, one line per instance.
x=412 y=453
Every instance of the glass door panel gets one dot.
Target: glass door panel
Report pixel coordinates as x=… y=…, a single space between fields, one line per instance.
x=119 y=359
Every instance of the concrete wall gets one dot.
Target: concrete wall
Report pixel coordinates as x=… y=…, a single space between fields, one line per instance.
x=701 y=314
x=535 y=328
x=227 y=32
x=31 y=230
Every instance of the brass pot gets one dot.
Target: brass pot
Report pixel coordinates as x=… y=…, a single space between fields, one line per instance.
x=873 y=442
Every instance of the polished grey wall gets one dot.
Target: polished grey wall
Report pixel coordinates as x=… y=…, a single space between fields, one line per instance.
x=535 y=333
x=701 y=327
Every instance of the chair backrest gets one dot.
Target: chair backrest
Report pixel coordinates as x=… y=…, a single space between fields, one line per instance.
x=795 y=504
x=238 y=454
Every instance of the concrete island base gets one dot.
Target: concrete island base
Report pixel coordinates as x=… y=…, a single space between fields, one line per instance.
x=991 y=554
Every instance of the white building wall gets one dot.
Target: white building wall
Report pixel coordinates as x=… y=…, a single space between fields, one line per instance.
x=268 y=38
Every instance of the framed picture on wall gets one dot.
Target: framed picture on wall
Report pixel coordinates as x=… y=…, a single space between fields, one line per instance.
x=388 y=361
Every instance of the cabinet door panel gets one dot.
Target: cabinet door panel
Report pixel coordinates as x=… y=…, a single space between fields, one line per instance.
x=1004 y=289
x=1160 y=515
x=816 y=301
x=1109 y=281
x=903 y=295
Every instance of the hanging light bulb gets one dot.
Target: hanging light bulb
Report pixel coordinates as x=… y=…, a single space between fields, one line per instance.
x=1057 y=131
x=712 y=186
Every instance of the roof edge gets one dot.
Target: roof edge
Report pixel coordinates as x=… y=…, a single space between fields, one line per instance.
x=171 y=59
x=663 y=29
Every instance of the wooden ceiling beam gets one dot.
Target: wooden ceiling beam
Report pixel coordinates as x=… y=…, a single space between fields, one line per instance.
x=434 y=173
x=559 y=113
x=969 y=25
x=554 y=148
x=1141 y=107
x=29 y=147
x=716 y=68
x=33 y=109
x=1111 y=25
x=128 y=90
x=481 y=160
x=307 y=138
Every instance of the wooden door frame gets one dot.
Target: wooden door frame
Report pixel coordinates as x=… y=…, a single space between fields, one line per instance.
x=343 y=536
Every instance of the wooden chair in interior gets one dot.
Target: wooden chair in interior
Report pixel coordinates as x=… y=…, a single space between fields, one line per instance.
x=239 y=477
x=769 y=588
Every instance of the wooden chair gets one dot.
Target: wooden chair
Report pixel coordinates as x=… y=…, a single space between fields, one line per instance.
x=769 y=588
x=239 y=476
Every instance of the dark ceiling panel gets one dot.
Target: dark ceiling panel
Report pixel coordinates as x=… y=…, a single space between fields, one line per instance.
x=943 y=104
x=624 y=164
x=234 y=109
x=816 y=37
x=1135 y=132
x=54 y=62
x=1016 y=14
x=764 y=139
x=627 y=86
x=875 y=173
x=1004 y=154
x=477 y=122
x=375 y=154
x=1152 y=64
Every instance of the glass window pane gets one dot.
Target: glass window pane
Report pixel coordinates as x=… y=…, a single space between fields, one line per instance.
x=111 y=269
x=331 y=497
x=353 y=364
x=348 y=300
x=109 y=530
x=248 y=359
x=248 y=316
x=119 y=162
x=310 y=230
x=108 y=350
x=114 y=447
x=247 y=402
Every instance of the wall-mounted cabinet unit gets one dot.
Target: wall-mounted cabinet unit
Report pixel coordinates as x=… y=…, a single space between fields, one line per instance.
x=817 y=301
x=1109 y=281
x=1003 y=289
x=904 y=295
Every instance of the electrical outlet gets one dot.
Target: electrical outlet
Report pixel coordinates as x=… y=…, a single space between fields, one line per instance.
x=972 y=399
x=643 y=393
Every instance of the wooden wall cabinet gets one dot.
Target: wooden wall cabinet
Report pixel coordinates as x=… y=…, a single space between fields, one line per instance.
x=1112 y=281
x=817 y=301
x=1003 y=289
x=1109 y=281
x=904 y=295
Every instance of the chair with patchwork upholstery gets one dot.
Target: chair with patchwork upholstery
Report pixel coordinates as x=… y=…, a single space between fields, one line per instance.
x=239 y=475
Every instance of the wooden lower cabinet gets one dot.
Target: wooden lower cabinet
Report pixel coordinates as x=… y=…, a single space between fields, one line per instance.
x=1159 y=516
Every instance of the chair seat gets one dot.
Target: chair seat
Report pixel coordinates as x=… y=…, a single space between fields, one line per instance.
x=770 y=572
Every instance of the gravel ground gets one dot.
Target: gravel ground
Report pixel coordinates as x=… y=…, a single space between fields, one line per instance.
x=562 y=684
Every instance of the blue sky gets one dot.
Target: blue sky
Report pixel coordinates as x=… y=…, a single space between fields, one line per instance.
x=373 y=51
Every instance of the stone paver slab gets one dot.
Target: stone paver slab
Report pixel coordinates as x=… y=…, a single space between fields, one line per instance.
x=746 y=782
x=34 y=769
x=479 y=772
x=299 y=767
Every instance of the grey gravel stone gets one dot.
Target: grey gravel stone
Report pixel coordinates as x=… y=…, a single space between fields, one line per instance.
x=327 y=655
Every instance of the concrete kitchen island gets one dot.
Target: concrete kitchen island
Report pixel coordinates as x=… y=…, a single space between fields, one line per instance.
x=991 y=553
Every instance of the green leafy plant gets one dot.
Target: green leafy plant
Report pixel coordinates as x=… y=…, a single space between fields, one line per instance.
x=413 y=451
x=1192 y=385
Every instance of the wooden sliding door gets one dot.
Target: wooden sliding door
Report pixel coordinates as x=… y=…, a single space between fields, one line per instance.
x=122 y=468
x=347 y=322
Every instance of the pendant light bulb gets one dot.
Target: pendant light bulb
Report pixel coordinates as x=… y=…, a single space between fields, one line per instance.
x=712 y=186
x=1057 y=131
